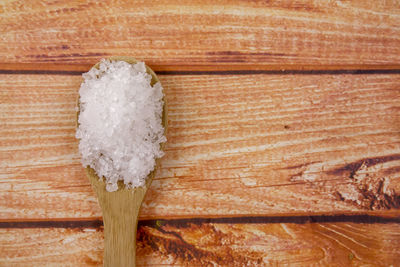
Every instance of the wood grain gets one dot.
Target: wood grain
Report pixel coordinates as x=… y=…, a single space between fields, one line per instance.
x=202 y=32
x=244 y=144
x=281 y=113
x=174 y=244
x=51 y=247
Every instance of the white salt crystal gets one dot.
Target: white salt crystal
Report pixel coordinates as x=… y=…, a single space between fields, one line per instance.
x=120 y=127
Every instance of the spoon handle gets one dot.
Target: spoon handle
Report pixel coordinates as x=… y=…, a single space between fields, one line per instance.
x=120 y=216
x=120 y=236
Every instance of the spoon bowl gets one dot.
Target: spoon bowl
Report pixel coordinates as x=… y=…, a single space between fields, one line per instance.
x=121 y=208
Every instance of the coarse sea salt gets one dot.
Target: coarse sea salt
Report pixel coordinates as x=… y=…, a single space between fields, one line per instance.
x=120 y=122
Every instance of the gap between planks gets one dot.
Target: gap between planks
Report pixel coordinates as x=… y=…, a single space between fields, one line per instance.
x=96 y=222
x=228 y=69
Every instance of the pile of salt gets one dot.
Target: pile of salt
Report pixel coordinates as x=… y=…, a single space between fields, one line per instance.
x=120 y=122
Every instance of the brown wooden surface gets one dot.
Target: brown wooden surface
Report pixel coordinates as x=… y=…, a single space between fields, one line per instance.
x=333 y=244
x=283 y=142
x=263 y=144
x=202 y=32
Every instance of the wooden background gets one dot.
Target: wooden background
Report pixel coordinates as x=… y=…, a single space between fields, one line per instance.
x=284 y=131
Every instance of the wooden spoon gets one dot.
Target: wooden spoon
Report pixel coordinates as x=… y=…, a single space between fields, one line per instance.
x=121 y=208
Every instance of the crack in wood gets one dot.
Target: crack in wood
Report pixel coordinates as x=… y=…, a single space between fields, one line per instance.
x=369 y=192
x=65 y=55
x=367 y=188
x=365 y=185
x=368 y=162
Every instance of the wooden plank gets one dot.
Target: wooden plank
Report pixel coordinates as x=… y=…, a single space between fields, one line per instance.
x=237 y=144
x=51 y=247
x=174 y=244
x=202 y=32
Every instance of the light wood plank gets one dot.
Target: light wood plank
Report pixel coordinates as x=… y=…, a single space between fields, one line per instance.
x=171 y=244
x=51 y=247
x=244 y=144
x=202 y=32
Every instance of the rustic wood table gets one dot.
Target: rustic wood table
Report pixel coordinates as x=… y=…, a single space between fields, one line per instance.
x=283 y=142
